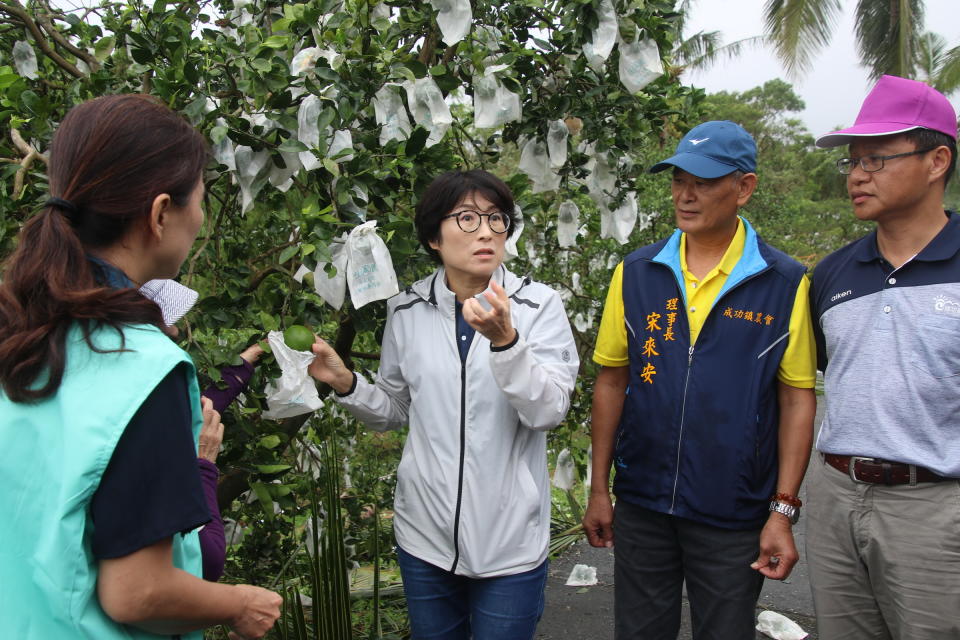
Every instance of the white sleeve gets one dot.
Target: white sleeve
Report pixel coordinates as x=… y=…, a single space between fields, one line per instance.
x=539 y=371
x=385 y=403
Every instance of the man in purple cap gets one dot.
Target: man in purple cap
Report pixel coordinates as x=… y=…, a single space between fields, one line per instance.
x=704 y=404
x=883 y=536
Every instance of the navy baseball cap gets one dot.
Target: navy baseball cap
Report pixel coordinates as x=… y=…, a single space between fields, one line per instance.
x=713 y=149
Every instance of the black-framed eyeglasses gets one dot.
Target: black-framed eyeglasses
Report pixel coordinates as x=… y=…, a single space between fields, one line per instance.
x=873 y=163
x=469 y=221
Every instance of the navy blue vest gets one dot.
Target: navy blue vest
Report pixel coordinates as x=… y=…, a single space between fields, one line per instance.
x=698 y=433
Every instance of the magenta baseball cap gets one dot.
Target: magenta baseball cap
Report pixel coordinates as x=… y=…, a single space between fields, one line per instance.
x=896 y=105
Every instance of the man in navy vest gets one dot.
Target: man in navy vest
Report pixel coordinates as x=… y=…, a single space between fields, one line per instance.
x=704 y=404
x=884 y=531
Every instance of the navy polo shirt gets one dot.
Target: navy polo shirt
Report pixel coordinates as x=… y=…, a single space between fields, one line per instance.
x=888 y=342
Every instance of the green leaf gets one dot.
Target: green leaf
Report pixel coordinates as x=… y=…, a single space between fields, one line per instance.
x=218 y=133
x=104 y=47
x=269 y=322
x=263 y=494
x=272 y=468
x=416 y=141
x=271 y=441
x=261 y=65
x=418 y=69
x=288 y=253
x=331 y=166
x=292 y=145
x=277 y=42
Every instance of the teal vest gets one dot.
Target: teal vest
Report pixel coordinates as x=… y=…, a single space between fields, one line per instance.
x=52 y=456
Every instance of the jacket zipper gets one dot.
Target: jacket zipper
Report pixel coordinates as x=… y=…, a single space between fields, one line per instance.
x=686 y=382
x=463 y=449
x=683 y=412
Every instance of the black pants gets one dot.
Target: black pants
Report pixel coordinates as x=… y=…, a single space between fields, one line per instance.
x=655 y=553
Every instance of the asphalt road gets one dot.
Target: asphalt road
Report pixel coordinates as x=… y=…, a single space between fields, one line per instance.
x=586 y=613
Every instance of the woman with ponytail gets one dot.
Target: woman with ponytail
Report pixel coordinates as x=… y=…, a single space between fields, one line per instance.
x=99 y=409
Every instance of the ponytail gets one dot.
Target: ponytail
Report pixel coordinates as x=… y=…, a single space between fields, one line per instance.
x=108 y=160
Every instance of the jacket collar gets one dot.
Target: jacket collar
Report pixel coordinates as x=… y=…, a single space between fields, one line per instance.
x=434 y=289
x=750 y=262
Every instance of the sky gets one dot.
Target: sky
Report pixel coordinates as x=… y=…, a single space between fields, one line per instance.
x=834 y=86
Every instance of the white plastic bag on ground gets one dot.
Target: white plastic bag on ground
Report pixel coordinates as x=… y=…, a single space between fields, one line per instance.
x=639 y=63
x=370 y=273
x=493 y=104
x=25 y=59
x=390 y=114
x=173 y=298
x=604 y=36
x=428 y=107
x=453 y=18
x=294 y=392
x=333 y=289
x=568 y=224
x=779 y=627
x=582 y=576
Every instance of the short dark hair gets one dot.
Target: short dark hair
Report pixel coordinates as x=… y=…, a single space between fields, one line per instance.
x=930 y=139
x=447 y=190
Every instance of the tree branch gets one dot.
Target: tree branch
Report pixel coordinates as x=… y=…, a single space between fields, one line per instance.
x=14 y=8
x=58 y=37
x=30 y=154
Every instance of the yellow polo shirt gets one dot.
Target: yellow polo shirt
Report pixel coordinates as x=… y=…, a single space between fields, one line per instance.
x=798 y=366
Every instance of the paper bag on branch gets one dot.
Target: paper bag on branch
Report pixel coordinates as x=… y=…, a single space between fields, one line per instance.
x=639 y=63
x=429 y=109
x=294 y=392
x=391 y=114
x=333 y=288
x=568 y=224
x=453 y=18
x=604 y=36
x=308 y=131
x=493 y=104
x=370 y=273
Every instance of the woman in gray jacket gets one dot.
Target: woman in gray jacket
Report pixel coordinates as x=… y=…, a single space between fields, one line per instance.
x=480 y=364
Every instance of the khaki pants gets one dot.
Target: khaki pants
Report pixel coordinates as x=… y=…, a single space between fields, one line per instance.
x=884 y=561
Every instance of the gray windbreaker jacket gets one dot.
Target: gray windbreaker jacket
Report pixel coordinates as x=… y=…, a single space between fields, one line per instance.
x=473 y=492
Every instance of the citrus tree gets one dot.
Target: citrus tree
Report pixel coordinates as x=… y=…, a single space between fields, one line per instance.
x=327 y=114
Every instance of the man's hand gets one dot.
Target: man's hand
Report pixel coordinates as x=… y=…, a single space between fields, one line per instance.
x=778 y=552
x=598 y=520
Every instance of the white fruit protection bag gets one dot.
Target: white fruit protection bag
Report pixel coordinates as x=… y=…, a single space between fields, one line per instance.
x=294 y=392
x=370 y=273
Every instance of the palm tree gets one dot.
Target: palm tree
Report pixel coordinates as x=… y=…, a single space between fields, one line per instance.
x=936 y=65
x=889 y=33
x=702 y=49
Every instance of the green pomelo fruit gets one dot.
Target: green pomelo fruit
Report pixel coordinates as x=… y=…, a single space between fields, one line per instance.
x=298 y=337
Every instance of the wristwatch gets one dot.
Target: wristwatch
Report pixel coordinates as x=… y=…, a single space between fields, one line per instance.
x=792 y=512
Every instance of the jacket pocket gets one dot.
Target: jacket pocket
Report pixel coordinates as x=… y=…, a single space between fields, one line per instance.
x=529 y=494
